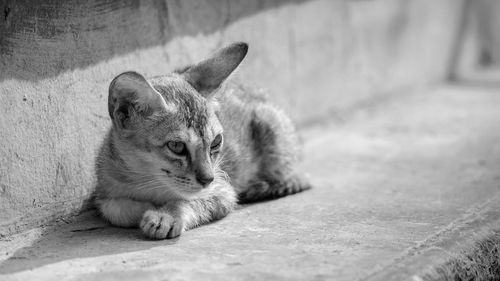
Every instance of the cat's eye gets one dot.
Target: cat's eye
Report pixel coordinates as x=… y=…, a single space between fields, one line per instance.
x=177 y=147
x=216 y=143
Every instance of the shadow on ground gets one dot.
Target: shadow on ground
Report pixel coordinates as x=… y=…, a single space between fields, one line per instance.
x=86 y=235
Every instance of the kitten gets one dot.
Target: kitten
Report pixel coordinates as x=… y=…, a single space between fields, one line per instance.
x=182 y=151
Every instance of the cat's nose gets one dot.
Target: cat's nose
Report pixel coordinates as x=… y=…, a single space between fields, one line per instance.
x=204 y=180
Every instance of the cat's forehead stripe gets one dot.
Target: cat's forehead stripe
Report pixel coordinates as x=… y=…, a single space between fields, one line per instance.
x=192 y=136
x=170 y=107
x=190 y=106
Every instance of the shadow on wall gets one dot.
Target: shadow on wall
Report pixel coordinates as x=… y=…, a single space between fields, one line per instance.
x=40 y=39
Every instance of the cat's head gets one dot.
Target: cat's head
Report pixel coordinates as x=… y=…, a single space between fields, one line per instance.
x=166 y=128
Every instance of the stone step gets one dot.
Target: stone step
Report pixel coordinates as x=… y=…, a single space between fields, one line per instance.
x=406 y=189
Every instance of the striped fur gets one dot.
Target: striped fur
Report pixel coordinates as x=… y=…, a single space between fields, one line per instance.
x=235 y=146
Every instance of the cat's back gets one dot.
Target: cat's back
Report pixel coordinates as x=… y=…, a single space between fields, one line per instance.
x=240 y=106
x=254 y=130
x=236 y=103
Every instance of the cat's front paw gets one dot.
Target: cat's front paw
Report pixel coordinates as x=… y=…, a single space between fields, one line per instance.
x=157 y=224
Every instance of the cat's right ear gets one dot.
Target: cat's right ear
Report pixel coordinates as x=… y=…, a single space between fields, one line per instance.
x=131 y=96
x=209 y=74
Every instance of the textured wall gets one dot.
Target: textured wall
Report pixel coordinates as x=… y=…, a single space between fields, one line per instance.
x=318 y=59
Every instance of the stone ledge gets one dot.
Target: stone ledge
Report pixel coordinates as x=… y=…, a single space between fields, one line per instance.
x=403 y=191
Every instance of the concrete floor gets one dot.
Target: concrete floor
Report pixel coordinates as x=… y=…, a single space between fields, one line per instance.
x=401 y=185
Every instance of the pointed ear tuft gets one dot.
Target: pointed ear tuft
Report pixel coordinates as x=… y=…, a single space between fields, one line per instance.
x=130 y=95
x=209 y=74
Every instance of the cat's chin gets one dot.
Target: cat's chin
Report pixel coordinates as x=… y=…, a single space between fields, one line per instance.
x=191 y=194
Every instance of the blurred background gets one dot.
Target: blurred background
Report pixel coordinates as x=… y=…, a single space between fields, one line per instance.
x=323 y=61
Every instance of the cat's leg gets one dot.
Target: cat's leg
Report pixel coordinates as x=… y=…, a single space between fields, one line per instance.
x=271 y=189
x=154 y=222
x=123 y=212
x=162 y=222
x=172 y=219
x=277 y=149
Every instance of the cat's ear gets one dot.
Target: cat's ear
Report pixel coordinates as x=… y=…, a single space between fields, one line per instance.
x=209 y=74
x=131 y=96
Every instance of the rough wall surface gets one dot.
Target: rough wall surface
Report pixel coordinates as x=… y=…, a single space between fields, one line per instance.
x=315 y=58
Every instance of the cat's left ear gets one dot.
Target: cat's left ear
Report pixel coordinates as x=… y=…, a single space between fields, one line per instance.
x=209 y=74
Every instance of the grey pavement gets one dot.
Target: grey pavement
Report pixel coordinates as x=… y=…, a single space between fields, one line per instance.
x=400 y=186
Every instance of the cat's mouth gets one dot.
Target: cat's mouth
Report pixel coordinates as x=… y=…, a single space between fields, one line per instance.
x=166 y=171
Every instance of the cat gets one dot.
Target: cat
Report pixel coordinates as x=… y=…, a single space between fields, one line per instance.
x=184 y=148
